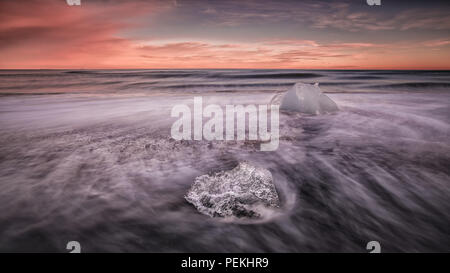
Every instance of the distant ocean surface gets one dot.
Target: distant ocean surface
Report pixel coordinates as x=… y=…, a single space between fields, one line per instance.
x=147 y=81
x=86 y=155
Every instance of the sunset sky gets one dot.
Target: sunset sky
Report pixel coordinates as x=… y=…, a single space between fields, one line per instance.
x=225 y=34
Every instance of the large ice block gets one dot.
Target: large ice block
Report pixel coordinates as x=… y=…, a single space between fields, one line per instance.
x=307 y=98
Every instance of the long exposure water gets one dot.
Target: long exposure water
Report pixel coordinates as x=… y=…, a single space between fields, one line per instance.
x=87 y=155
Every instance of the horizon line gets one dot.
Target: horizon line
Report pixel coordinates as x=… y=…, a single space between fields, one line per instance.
x=403 y=69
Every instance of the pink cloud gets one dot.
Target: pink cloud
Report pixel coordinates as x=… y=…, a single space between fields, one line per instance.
x=50 y=34
x=437 y=43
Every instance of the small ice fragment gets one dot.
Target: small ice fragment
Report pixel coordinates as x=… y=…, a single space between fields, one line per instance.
x=307 y=98
x=245 y=191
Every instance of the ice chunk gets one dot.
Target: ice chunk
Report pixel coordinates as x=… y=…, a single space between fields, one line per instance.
x=307 y=98
x=245 y=191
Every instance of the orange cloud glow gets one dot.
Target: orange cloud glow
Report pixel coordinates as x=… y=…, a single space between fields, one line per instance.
x=51 y=34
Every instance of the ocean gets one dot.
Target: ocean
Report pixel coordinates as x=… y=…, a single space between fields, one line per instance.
x=87 y=156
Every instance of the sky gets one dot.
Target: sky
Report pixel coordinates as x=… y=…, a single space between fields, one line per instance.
x=258 y=34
